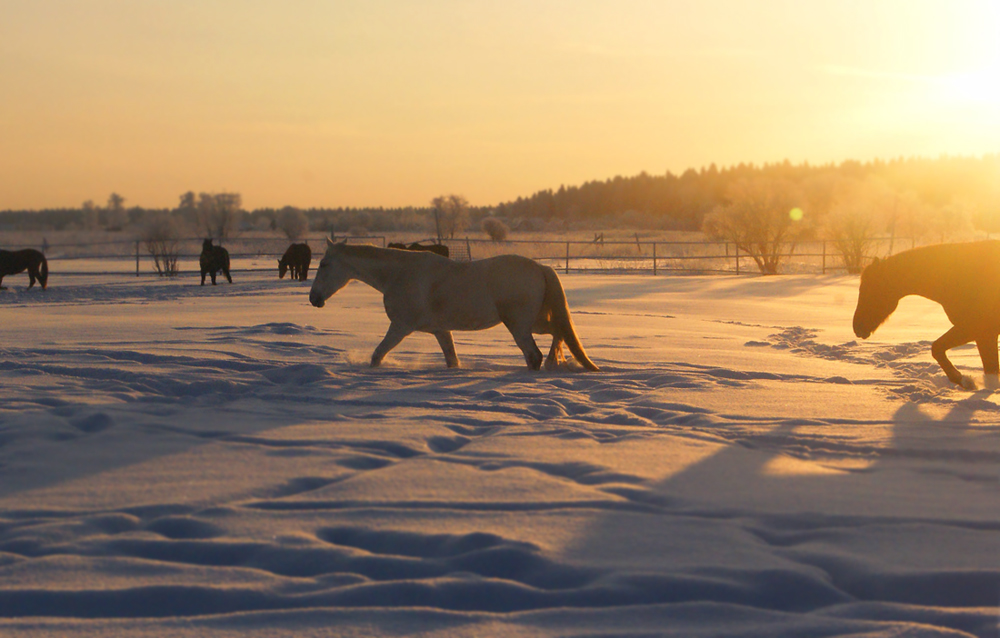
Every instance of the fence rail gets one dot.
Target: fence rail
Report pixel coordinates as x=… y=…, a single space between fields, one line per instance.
x=655 y=256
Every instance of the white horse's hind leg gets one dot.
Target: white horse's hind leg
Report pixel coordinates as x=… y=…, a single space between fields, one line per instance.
x=393 y=336
x=448 y=347
x=556 y=357
x=524 y=341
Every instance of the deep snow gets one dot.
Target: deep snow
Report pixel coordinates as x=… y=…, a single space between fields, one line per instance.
x=178 y=460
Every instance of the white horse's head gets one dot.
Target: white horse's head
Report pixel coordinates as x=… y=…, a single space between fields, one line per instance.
x=331 y=275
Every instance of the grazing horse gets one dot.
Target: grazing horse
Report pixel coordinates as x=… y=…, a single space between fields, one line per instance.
x=424 y=292
x=296 y=259
x=438 y=249
x=13 y=262
x=212 y=260
x=963 y=278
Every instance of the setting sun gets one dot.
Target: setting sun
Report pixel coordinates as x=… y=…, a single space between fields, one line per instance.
x=977 y=87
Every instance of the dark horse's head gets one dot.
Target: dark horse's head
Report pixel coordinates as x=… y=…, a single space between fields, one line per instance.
x=206 y=246
x=877 y=299
x=282 y=267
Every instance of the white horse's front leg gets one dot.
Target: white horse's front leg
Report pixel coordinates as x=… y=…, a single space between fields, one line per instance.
x=393 y=336
x=448 y=347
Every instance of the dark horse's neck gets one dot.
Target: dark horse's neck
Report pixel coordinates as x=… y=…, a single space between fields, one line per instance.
x=913 y=272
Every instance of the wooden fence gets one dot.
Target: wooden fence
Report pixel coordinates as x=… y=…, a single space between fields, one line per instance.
x=642 y=255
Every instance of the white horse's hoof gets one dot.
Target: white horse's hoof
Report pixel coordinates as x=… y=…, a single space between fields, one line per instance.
x=991 y=381
x=968 y=383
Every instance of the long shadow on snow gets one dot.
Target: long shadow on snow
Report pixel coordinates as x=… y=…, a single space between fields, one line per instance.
x=831 y=538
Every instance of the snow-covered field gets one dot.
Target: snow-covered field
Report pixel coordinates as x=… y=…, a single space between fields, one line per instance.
x=187 y=461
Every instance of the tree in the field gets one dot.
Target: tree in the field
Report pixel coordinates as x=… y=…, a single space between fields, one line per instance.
x=762 y=218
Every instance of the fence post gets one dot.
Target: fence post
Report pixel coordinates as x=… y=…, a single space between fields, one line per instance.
x=137 y=258
x=824 y=256
x=654 y=257
x=567 y=258
x=737 y=257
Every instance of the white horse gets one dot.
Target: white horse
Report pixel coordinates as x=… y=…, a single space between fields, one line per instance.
x=424 y=292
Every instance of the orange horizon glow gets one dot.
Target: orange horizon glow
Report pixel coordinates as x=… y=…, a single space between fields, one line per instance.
x=391 y=103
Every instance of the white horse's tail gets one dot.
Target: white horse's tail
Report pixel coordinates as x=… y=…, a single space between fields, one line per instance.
x=562 y=324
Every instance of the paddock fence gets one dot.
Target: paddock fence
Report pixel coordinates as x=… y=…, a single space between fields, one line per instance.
x=641 y=255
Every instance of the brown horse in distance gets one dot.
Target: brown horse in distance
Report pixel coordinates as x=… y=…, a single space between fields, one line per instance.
x=13 y=262
x=212 y=260
x=296 y=259
x=963 y=278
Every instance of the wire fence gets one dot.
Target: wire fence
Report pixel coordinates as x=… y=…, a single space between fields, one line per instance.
x=643 y=255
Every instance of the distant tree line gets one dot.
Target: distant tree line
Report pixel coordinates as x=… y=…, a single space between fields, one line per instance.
x=683 y=201
x=847 y=203
x=220 y=215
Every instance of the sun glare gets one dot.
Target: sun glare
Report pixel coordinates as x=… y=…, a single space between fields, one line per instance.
x=978 y=87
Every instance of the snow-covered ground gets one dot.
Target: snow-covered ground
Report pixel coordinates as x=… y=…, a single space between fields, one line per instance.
x=187 y=461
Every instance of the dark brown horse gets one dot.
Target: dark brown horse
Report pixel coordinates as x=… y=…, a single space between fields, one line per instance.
x=212 y=260
x=437 y=249
x=13 y=262
x=963 y=278
x=296 y=259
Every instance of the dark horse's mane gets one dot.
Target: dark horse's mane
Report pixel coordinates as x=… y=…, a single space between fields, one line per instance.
x=13 y=262
x=212 y=260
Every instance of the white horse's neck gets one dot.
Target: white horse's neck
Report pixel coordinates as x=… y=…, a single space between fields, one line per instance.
x=372 y=267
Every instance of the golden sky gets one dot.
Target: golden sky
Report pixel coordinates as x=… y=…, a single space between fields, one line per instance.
x=392 y=102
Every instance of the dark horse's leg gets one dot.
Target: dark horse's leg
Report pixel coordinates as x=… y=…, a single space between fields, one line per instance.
x=225 y=271
x=448 y=347
x=951 y=339
x=32 y=274
x=991 y=362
